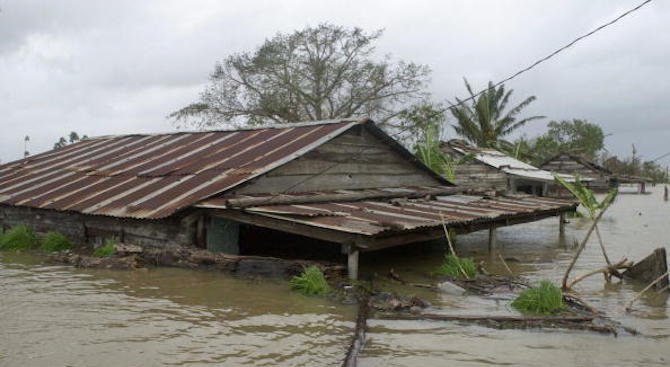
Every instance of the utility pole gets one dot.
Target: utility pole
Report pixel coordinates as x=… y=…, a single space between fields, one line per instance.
x=25 y=146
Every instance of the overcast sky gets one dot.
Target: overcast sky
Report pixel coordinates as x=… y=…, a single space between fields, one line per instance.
x=111 y=67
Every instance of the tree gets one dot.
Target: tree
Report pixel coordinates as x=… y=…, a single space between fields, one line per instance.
x=577 y=137
x=72 y=138
x=483 y=121
x=420 y=122
x=316 y=73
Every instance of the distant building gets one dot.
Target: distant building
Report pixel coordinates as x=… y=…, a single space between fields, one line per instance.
x=597 y=177
x=491 y=170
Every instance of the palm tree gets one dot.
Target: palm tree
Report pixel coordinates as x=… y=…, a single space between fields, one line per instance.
x=483 y=121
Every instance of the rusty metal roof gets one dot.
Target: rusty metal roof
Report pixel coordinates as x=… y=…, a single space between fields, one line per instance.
x=153 y=176
x=377 y=217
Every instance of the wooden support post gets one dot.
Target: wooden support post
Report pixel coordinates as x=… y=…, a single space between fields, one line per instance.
x=352 y=263
x=493 y=238
x=561 y=224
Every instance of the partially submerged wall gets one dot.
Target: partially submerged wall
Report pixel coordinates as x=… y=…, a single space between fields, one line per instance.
x=476 y=175
x=92 y=229
x=563 y=163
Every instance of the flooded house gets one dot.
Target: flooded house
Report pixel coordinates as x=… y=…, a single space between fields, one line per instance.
x=600 y=179
x=343 y=186
x=596 y=177
x=486 y=169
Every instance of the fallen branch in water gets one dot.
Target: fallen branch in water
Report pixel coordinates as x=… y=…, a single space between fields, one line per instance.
x=629 y=305
x=608 y=271
x=505 y=263
x=602 y=247
x=589 y=323
x=393 y=275
x=582 y=245
x=577 y=303
x=358 y=340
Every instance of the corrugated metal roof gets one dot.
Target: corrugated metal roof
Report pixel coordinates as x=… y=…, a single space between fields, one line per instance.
x=376 y=217
x=153 y=176
x=508 y=164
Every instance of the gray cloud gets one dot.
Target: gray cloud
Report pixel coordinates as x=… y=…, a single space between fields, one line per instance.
x=118 y=67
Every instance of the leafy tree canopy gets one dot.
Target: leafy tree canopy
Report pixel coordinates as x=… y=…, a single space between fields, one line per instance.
x=577 y=136
x=316 y=73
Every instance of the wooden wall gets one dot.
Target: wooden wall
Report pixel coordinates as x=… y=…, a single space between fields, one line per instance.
x=353 y=160
x=91 y=229
x=477 y=175
x=566 y=164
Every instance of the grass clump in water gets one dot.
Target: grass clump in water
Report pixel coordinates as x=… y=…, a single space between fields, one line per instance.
x=311 y=282
x=545 y=299
x=106 y=250
x=55 y=241
x=457 y=267
x=20 y=237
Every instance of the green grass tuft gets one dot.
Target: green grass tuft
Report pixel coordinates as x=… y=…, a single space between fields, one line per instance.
x=108 y=249
x=452 y=265
x=20 y=237
x=55 y=241
x=310 y=282
x=545 y=299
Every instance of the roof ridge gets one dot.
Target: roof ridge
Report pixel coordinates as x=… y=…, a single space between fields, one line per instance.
x=287 y=125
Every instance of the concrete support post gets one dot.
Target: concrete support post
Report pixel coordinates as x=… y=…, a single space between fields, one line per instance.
x=493 y=238
x=561 y=224
x=352 y=263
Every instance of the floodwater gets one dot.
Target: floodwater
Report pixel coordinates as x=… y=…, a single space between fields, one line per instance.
x=61 y=316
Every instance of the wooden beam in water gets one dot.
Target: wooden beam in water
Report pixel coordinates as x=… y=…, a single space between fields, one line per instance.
x=650 y=268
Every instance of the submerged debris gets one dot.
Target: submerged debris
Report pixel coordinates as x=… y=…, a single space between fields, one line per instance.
x=590 y=323
x=132 y=257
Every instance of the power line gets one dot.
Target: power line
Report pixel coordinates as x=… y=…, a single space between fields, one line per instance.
x=556 y=52
x=516 y=74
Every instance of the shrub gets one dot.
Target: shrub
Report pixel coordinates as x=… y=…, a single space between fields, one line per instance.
x=545 y=299
x=55 y=241
x=456 y=267
x=108 y=249
x=310 y=282
x=20 y=237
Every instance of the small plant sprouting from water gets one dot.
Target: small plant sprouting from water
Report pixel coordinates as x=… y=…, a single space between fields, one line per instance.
x=311 y=282
x=55 y=241
x=457 y=267
x=20 y=237
x=545 y=299
x=106 y=250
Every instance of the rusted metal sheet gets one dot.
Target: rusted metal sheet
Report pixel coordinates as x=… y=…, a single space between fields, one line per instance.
x=376 y=217
x=153 y=176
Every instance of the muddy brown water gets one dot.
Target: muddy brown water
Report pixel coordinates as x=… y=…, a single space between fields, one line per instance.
x=61 y=316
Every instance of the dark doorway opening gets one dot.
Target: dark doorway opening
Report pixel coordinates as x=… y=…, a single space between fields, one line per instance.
x=260 y=241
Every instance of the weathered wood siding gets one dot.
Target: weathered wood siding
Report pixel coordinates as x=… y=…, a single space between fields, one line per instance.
x=477 y=175
x=91 y=229
x=354 y=160
x=566 y=164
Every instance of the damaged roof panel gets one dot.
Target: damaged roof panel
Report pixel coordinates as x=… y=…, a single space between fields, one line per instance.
x=153 y=176
x=377 y=217
x=507 y=164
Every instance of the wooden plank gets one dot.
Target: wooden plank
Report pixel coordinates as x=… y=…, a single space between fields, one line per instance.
x=650 y=268
x=324 y=234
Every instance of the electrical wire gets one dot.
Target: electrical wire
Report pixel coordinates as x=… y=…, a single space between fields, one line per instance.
x=512 y=76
